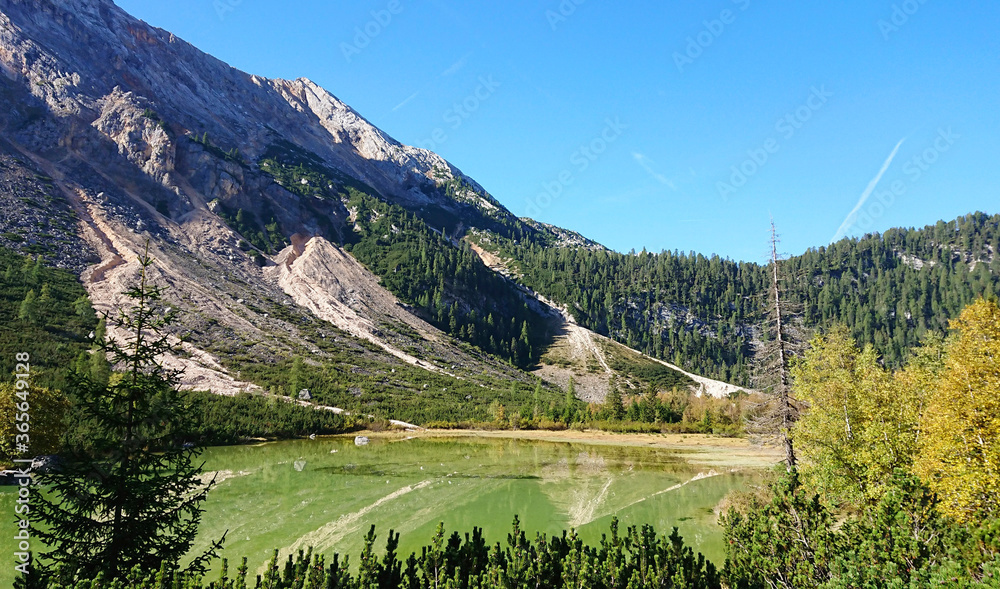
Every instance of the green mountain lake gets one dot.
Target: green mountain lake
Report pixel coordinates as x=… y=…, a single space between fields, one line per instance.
x=327 y=493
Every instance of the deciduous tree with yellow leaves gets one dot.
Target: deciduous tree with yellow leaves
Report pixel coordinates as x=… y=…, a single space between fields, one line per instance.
x=959 y=451
x=862 y=421
x=46 y=409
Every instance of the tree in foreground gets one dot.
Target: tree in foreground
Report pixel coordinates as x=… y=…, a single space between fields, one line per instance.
x=772 y=421
x=633 y=558
x=787 y=542
x=863 y=420
x=959 y=455
x=131 y=495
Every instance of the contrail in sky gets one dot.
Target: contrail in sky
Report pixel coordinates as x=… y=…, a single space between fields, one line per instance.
x=852 y=216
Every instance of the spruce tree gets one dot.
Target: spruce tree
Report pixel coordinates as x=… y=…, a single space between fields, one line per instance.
x=536 y=410
x=28 y=311
x=613 y=402
x=132 y=494
x=570 y=402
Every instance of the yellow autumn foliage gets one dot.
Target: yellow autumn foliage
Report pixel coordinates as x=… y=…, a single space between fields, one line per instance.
x=959 y=450
x=860 y=421
x=46 y=410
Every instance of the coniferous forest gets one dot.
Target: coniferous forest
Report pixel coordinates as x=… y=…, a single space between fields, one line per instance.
x=703 y=313
x=699 y=312
x=445 y=282
x=876 y=497
x=255 y=337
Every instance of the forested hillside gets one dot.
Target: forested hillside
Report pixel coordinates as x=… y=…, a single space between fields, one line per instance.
x=447 y=285
x=45 y=312
x=701 y=312
x=696 y=311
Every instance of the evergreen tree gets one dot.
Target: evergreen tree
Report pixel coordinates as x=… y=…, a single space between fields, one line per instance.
x=132 y=495
x=45 y=298
x=35 y=275
x=83 y=309
x=296 y=377
x=648 y=406
x=98 y=368
x=102 y=329
x=28 y=311
x=537 y=399
x=613 y=406
x=787 y=542
x=569 y=404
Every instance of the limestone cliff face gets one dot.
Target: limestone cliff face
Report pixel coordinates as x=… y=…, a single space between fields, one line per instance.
x=140 y=136
x=87 y=62
x=115 y=134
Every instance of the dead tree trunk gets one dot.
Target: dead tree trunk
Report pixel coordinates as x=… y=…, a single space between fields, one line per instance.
x=773 y=420
x=784 y=398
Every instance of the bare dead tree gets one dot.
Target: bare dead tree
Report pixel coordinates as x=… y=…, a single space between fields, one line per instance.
x=781 y=339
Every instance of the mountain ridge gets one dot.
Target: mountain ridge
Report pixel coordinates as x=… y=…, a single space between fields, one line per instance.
x=247 y=190
x=258 y=195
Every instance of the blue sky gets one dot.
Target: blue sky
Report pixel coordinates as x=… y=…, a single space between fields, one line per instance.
x=664 y=125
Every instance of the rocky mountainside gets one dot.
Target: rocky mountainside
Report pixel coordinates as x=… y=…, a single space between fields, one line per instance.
x=247 y=189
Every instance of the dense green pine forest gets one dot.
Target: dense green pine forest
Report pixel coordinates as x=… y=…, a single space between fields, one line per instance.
x=701 y=312
x=416 y=259
x=449 y=286
x=45 y=312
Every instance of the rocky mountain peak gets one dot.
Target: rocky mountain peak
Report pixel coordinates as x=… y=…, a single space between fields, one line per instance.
x=241 y=186
x=80 y=58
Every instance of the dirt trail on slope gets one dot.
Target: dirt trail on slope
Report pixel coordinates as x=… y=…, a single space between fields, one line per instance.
x=575 y=352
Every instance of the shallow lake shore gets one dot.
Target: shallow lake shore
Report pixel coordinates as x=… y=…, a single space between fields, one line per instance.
x=327 y=492
x=706 y=449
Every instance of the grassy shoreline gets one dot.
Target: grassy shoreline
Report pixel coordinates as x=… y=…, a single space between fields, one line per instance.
x=704 y=449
